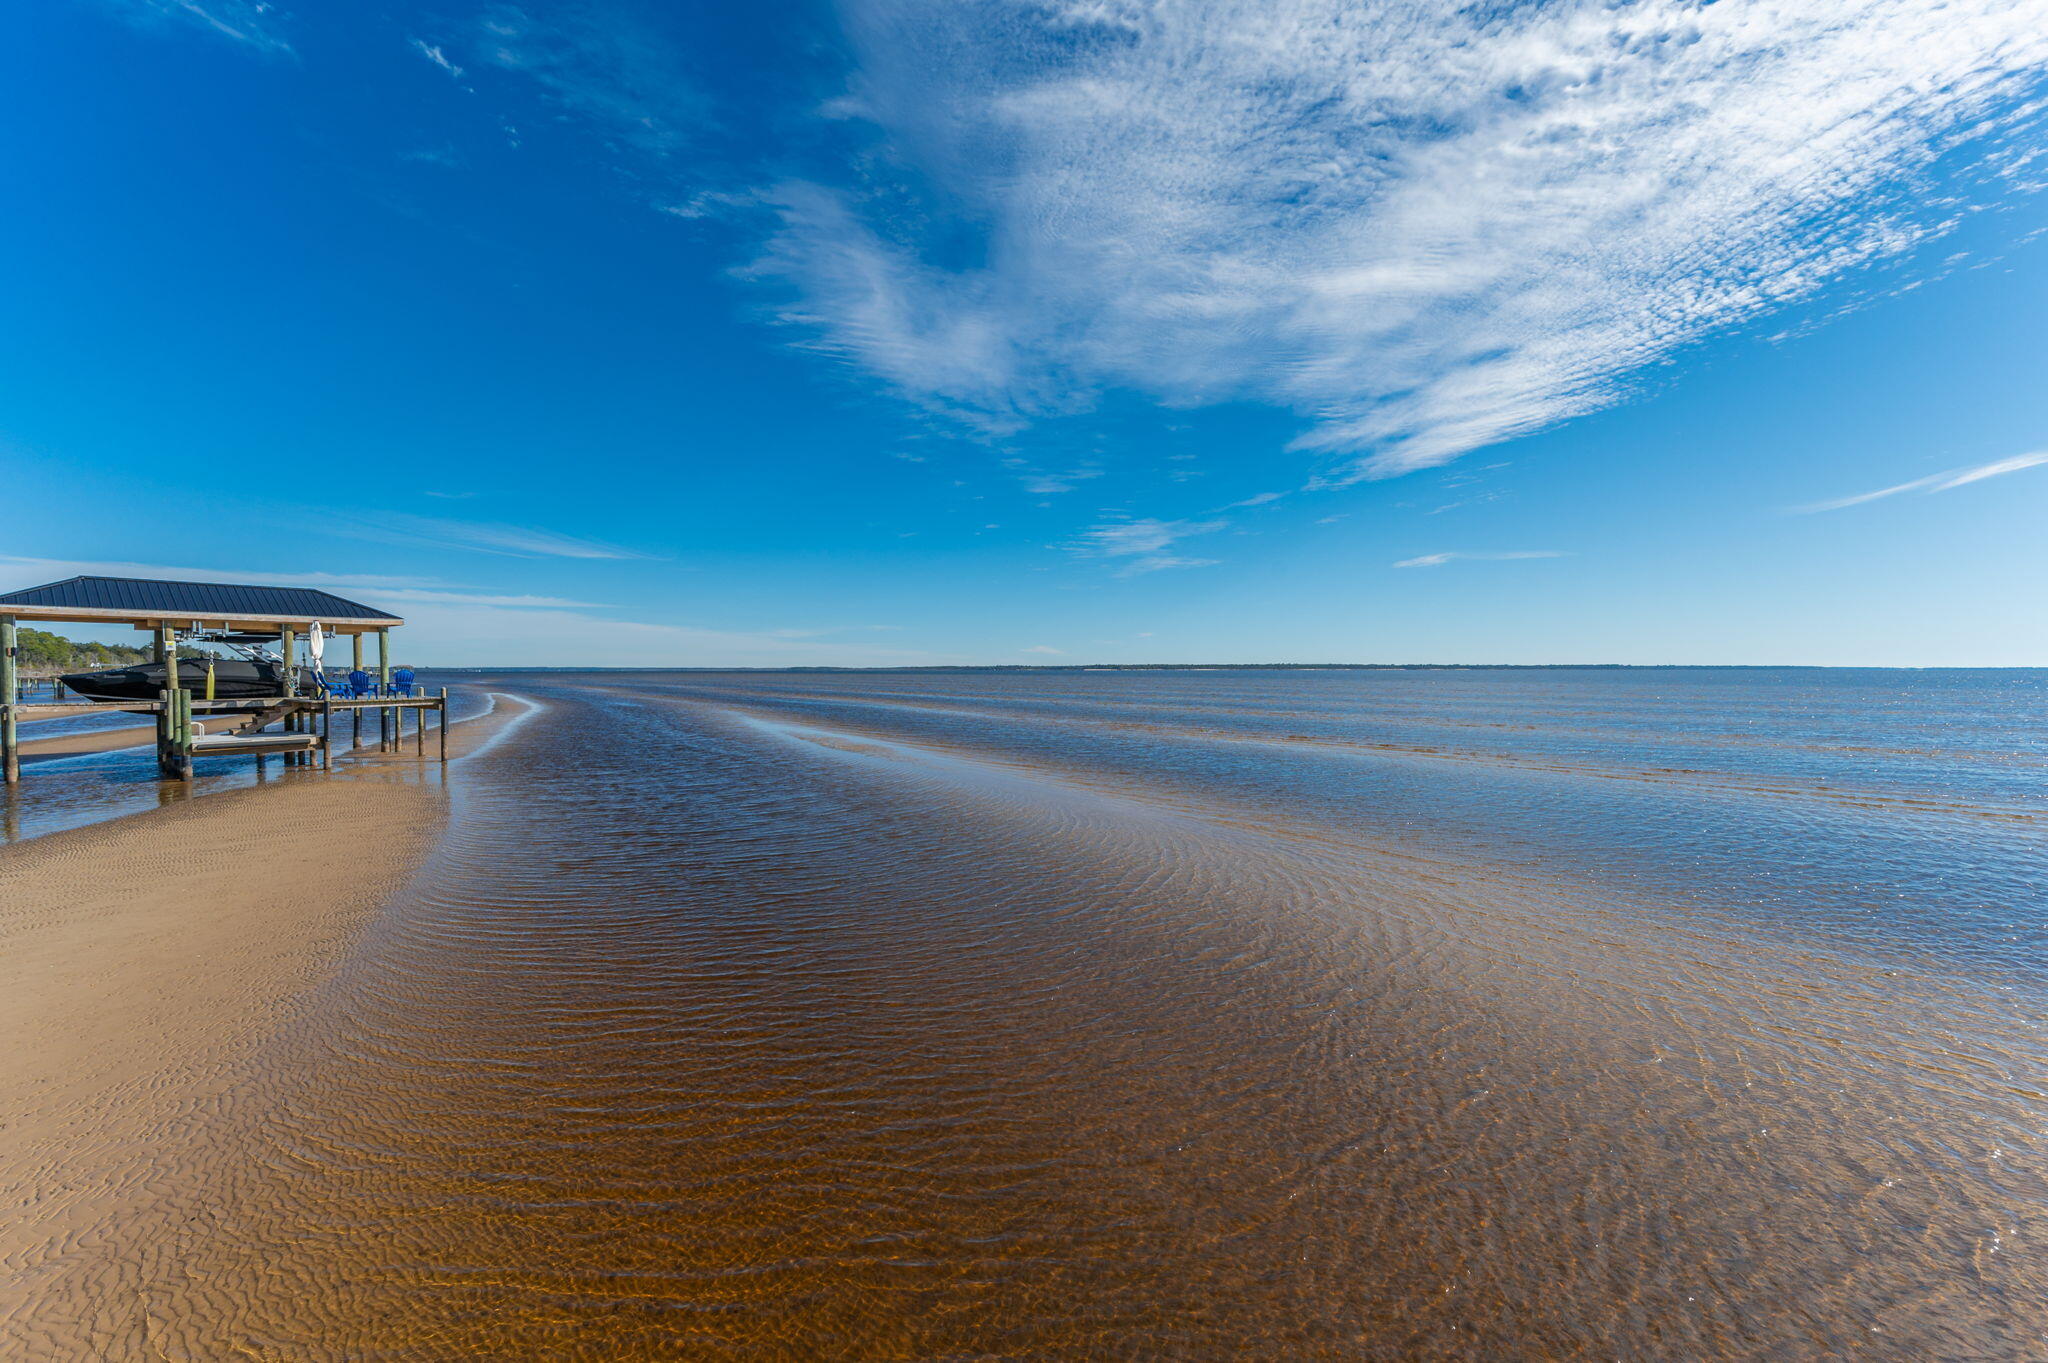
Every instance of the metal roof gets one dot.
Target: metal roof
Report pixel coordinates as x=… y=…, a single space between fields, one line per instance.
x=142 y=597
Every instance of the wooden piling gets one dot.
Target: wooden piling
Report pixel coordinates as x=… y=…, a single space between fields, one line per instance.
x=166 y=717
x=166 y=650
x=10 y=682
x=356 y=665
x=287 y=647
x=181 y=735
x=444 y=724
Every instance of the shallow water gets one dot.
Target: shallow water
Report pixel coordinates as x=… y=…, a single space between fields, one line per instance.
x=87 y=788
x=1389 y=1015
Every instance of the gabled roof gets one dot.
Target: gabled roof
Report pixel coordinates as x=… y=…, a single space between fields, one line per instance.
x=140 y=598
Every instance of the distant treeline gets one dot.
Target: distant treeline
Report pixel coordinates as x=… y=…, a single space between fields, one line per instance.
x=40 y=652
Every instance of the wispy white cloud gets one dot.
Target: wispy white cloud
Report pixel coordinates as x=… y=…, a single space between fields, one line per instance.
x=600 y=65
x=1042 y=648
x=446 y=598
x=1438 y=560
x=515 y=541
x=1052 y=484
x=1426 y=226
x=484 y=635
x=1937 y=482
x=1142 y=544
x=877 y=305
x=828 y=629
x=433 y=53
x=251 y=22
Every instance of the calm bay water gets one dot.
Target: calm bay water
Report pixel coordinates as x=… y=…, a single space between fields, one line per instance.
x=1516 y=1014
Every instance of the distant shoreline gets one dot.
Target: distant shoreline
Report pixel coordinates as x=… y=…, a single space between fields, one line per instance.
x=1271 y=667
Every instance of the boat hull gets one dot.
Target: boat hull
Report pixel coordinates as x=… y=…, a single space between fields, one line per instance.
x=233 y=679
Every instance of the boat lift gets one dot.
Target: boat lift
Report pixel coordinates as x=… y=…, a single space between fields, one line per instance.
x=171 y=610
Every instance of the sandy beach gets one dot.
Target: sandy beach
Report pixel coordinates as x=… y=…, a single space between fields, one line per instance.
x=142 y=962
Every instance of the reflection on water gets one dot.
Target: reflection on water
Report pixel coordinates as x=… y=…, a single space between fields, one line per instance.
x=964 y=1017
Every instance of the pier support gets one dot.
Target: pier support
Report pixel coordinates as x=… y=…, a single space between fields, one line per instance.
x=165 y=649
x=178 y=765
x=10 y=686
x=356 y=716
x=287 y=646
x=385 y=742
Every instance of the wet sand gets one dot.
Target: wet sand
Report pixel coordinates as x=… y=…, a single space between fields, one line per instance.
x=723 y=1025
x=143 y=962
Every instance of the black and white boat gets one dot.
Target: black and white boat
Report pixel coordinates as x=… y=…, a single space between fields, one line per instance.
x=252 y=676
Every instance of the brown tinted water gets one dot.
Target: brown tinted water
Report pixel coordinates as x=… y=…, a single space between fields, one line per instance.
x=798 y=1018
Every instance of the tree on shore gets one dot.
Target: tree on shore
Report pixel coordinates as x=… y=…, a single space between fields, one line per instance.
x=41 y=653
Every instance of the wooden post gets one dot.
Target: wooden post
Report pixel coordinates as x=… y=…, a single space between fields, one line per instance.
x=166 y=721
x=166 y=650
x=355 y=712
x=444 y=724
x=327 y=735
x=181 y=735
x=288 y=673
x=385 y=741
x=10 y=681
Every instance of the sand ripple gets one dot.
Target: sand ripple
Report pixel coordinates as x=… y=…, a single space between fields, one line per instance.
x=717 y=1031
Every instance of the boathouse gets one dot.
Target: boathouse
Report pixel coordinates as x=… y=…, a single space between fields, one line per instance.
x=169 y=610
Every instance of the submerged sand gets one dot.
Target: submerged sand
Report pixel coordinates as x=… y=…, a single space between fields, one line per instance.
x=718 y=1029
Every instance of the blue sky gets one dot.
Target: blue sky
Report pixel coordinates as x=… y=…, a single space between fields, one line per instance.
x=907 y=331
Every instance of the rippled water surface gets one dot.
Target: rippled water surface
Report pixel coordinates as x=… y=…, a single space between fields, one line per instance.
x=1518 y=1014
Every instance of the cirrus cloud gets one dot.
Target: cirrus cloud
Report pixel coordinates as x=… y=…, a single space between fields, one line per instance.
x=1143 y=543
x=1938 y=482
x=1438 y=560
x=1425 y=226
